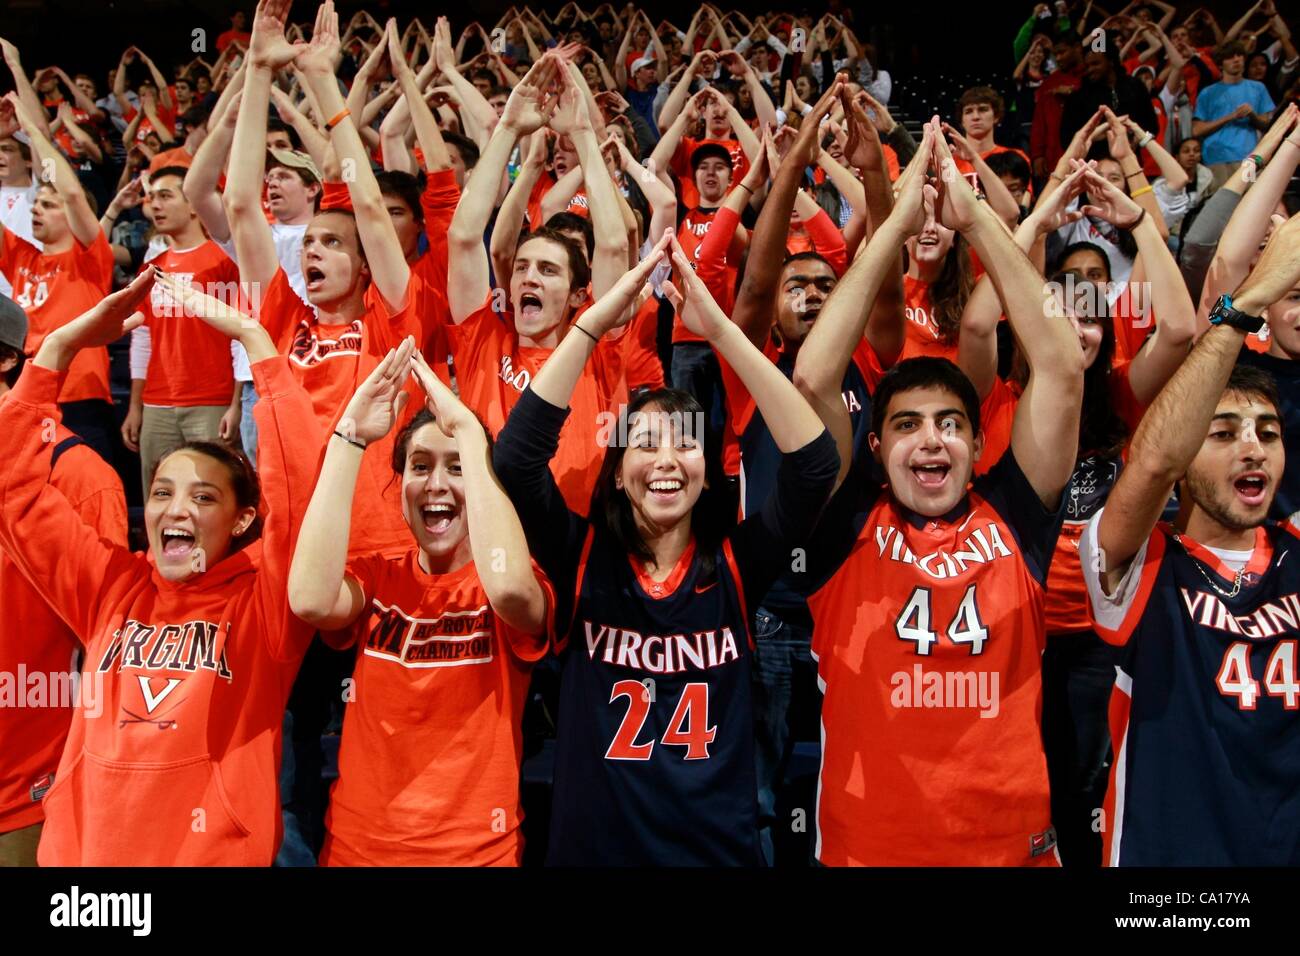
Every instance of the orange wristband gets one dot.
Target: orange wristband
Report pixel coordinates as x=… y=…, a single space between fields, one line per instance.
x=345 y=112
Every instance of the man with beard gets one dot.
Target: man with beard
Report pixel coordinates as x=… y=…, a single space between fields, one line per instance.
x=1203 y=717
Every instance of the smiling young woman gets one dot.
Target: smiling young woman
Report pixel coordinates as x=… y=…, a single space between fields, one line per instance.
x=655 y=745
x=194 y=637
x=428 y=775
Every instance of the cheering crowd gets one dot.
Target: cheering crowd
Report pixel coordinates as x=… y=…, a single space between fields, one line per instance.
x=665 y=378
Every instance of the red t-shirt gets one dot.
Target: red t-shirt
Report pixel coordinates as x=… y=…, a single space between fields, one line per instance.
x=680 y=166
x=432 y=741
x=189 y=360
x=231 y=36
x=694 y=227
x=35 y=638
x=492 y=371
x=55 y=288
x=165 y=116
x=545 y=183
x=922 y=332
x=331 y=362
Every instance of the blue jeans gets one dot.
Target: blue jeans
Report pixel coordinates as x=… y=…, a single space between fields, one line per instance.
x=782 y=665
x=294 y=849
x=247 y=424
x=1078 y=676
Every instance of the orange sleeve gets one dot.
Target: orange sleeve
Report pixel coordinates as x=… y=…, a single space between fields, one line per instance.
x=828 y=241
x=63 y=556
x=711 y=258
x=439 y=199
x=290 y=441
x=105 y=510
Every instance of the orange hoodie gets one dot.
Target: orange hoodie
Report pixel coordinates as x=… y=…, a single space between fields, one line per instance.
x=174 y=760
x=36 y=648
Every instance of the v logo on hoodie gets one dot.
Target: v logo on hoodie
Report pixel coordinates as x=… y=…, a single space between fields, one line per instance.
x=151 y=701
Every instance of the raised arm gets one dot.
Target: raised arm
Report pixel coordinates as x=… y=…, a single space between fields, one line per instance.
x=825 y=354
x=388 y=268
x=427 y=132
x=27 y=95
x=1045 y=431
x=88 y=142
x=46 y=156
x=314 y=143
x=1240 y=240
x=701 y=64
x=1174 y=427
x=528 y=108
x=205 y=171
x=319 y=591
x=254 y=244
x=496 y=536
x=573 y=118
x=476 y=112
x=767 y=247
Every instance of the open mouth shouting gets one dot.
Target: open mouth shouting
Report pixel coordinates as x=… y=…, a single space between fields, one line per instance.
x=1251 y=488
x=438 y=517
x=177 y=543
x=314 y=277
x=530 y=305
x=931 y=475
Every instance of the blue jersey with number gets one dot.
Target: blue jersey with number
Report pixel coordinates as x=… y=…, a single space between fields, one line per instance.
x=1205 y=716
x=654 y=758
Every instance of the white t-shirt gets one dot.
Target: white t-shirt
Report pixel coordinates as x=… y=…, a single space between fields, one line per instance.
x=288 y=250
x=16 y=213
x=1109 y=610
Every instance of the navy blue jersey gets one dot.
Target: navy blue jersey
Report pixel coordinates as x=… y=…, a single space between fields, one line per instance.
x=654 y=751
x=1286 y=373
x=1205 y=716
x=656 y=678
x=760 y=458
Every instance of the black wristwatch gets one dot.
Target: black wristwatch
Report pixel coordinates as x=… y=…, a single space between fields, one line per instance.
x=1224 y=314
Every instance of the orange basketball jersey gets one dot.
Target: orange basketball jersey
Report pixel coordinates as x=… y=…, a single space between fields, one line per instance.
x=927 y=640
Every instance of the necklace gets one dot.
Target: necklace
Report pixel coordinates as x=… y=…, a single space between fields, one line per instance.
x=1236 y=582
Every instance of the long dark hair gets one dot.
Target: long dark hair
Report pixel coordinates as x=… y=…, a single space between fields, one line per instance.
x=713 y=515
x=243 y=480
x=1102 y=431
x=950 y=292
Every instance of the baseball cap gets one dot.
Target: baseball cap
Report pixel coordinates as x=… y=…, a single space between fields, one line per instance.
x=13 y=323
x=179 y=156
x=643 y=62
x=706 y=150
x=296 y=160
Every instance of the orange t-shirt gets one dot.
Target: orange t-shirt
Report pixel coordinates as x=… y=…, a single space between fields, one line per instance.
x=35 y=638
x=695 y=225
x=642 y=367
x=928 y=641
x=432 y=741
x=967 y=168
x=545 y=183
x=1066 y=608
x=55 y=288
x=922 y=333
x=680 y=166
x=189 y=360
x=331 y=362
x=998 y=413
x=492 y=371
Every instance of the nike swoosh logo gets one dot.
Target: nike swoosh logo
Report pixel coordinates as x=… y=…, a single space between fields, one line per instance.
x=700 y=590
